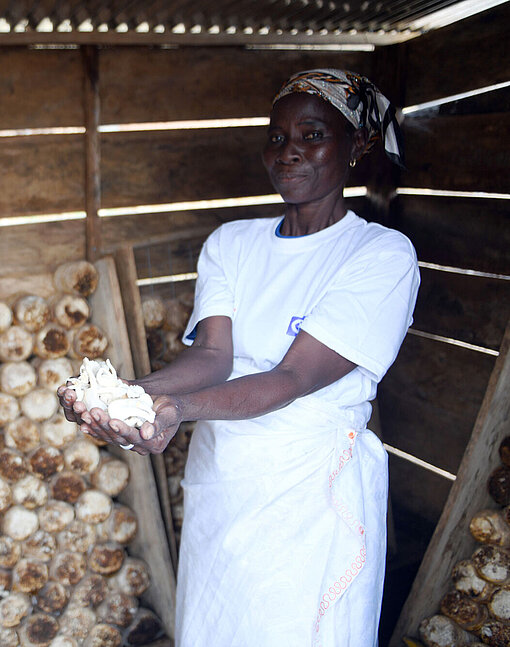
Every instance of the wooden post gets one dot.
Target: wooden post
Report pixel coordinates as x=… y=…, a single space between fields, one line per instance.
x=92 y=151
x=126 y=272
x=452 y=541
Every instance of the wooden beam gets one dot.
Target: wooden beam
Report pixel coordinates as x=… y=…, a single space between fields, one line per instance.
x=92 y=151
x=126 y=271
x=452 y=540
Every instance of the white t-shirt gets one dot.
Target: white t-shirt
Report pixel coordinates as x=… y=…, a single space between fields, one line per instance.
x=352 y=286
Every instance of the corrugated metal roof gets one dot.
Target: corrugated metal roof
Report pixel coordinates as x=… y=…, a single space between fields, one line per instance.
x=367 y=21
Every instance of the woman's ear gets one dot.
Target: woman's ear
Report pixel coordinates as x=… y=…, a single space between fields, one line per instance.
x=359 y=143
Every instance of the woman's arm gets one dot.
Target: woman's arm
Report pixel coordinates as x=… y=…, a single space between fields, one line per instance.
x=307 y=367
x=207 y=362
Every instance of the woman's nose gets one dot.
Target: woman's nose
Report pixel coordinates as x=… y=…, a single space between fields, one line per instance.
x=289 y=153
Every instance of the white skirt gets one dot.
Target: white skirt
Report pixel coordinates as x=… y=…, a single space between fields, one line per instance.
x=284 y=535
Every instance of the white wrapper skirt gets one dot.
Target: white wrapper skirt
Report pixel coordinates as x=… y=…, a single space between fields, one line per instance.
x=284 y=535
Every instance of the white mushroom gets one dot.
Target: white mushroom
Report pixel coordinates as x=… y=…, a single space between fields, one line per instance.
x=10 y=551
x=177 y=315
x=13 y=609
x=91 y=590
x=45 y=461
x=31 y=311
x=5 y=582
x=492 y=563
x=54 y=372
x=69 y=310
x=16 y=344
x=154 y=312
x=67 y=486
x=499 y=605
x=118 y=609
x=103 y=635
x=88 y=341
x=93 y=506
x=440 y=631
x=22 y=434
x=55 y=516
x=19 y=523
x=76 y=277
x=39 y=404
x=112 y=475
x=173 y=345
x=9 y=408
x=133 y=578
x=30 y=492
x=5 y=495
x=13 y=465
x=5 y=316
x=77 y=622
x=490 y=527
x=82 y=456
x=17 y=378
x=41 y=545
x=98 y=386
x=58 y=431
x=8 y=637
x=29 y=576
x=64 y=641
x=53 y=597
x=106 y=559
x=38 y=630
x=51 y=342
x=68 y=568
x=77 y=536
x=121 y=526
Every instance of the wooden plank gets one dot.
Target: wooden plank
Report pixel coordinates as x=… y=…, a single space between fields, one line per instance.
x=42 y=175
x=40 y=88
x=468 y=308
x=466 y=55
x=430 y=398
x=452 y=541
x=415 y=491
x=92 y=152
x=44 y=246
x=462 y=152
x=460 y=224
x=126 y=272
x=141 y=494
x=192 y=83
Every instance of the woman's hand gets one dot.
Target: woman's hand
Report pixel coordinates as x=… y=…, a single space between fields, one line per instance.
x=149 y=439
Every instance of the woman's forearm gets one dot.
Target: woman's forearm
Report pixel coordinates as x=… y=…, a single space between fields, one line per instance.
x=245 y=397
x=194 y=368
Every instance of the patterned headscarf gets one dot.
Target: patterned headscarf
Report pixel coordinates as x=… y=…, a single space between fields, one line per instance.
x=359 y=101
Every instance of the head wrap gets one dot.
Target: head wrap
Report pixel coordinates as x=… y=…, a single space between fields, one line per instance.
x=359 y=101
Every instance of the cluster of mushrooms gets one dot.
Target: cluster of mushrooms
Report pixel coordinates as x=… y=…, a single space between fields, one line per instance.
x=66 y=579
x=165 y=322
x=477 y=611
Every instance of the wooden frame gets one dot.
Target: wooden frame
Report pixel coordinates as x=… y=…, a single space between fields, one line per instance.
x=141 y=494
x=452 y=540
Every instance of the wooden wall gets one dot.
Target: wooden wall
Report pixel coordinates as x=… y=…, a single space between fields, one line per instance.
x=430 y=399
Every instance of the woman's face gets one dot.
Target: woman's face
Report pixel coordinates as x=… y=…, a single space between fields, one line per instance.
x=308 y=148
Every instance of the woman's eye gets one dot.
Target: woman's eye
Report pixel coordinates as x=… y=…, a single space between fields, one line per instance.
x=316 y=134
x=275 y=139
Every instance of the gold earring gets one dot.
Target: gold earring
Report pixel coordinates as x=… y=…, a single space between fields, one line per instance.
x=352 y=163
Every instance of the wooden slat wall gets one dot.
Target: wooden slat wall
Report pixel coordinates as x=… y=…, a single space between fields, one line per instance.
x=45 y=174
x=430 y=399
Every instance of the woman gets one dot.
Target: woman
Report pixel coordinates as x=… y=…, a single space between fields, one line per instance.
x=296 y=320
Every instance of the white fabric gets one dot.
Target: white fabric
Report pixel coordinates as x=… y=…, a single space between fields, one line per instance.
x=283 y=541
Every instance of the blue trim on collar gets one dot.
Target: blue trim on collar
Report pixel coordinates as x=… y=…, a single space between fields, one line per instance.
x=280 y=235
